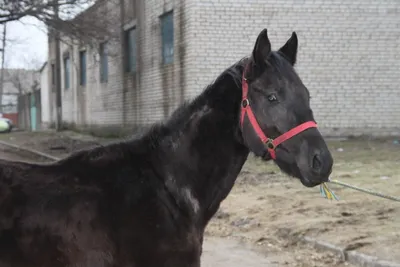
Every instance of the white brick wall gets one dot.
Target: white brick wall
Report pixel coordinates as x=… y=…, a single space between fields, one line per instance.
x=349 y=54
x=349 y=58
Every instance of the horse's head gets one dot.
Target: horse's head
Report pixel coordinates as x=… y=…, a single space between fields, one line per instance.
x=276 y=119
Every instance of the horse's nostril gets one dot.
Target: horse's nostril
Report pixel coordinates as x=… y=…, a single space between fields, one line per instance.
x=317 y=163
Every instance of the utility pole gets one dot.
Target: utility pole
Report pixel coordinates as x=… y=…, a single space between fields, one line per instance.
x=3 y=51
x=57 y=68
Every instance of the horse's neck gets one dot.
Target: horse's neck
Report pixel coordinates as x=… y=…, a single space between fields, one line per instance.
x=209 y=158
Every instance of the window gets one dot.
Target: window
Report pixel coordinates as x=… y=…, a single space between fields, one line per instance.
x=103 y=63
x=167 y=37
x=53 y=74
x=82 y=67
x=66 y=72
x=130 y=49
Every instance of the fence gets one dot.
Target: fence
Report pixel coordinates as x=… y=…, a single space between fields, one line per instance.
x=10 y=111
x=29 y=111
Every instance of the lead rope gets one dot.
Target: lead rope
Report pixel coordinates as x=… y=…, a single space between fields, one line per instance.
x=329 y=194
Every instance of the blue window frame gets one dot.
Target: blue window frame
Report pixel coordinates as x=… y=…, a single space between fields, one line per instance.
x=167 y=37
x=130 y=49
x=82 y=67
x=103 y=63
x=67 y=65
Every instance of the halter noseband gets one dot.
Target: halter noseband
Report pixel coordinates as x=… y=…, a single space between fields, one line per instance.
x=270 y=143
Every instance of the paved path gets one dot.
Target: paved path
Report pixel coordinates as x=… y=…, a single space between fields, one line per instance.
x=7 y=153
x=219 y=252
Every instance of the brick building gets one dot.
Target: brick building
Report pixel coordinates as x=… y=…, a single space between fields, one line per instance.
x=169 y=50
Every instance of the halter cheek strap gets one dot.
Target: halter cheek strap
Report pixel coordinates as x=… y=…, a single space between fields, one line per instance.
x=270 y=143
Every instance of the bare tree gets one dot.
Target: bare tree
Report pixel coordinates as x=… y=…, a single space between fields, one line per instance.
x=23 y=80
x=43 y=10
x=70 y=19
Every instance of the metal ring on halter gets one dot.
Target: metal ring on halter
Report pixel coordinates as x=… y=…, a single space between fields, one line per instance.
x=245 y=103
x=270 y=143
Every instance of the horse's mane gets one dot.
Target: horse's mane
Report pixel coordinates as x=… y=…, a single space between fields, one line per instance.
x=151 y=136
x=184 y=111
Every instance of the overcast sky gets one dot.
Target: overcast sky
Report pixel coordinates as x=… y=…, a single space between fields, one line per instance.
x=27 y=43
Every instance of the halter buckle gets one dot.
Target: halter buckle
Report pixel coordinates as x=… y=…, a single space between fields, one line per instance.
x=245 y=103
x=270 y=143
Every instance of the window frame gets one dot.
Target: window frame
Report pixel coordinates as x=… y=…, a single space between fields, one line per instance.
x=103 y=52
x=130 y=44
x=53 y=73
x=67 y=71
x=82 y=68
x=167 y=37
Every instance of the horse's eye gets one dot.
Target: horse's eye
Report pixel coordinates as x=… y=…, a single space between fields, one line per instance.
x=272 y=98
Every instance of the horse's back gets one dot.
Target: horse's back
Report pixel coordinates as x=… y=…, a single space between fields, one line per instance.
x=49 y=216
x=92 y=211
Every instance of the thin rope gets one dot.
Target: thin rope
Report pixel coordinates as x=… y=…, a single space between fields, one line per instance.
x=329 y=194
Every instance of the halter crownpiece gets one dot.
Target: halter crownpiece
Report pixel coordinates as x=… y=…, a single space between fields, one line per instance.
x=270 y=143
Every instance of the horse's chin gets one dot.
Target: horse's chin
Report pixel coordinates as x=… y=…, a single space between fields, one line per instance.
x=291 y=169
x=287 y=164
x=308 y=183
x=296 y=173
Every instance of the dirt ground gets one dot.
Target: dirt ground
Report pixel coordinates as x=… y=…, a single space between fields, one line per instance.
x=269 y=211
x=266 y=205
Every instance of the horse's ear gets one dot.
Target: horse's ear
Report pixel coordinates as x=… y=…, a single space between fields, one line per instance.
x=262 y=48
x=289 y=50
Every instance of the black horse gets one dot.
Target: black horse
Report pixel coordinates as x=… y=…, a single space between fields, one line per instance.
x=146 y=202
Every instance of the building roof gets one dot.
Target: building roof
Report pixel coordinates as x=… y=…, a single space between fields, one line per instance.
x=43 y=66
x=90 y=9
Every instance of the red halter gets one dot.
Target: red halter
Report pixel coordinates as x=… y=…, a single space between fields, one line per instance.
x=270 y=143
